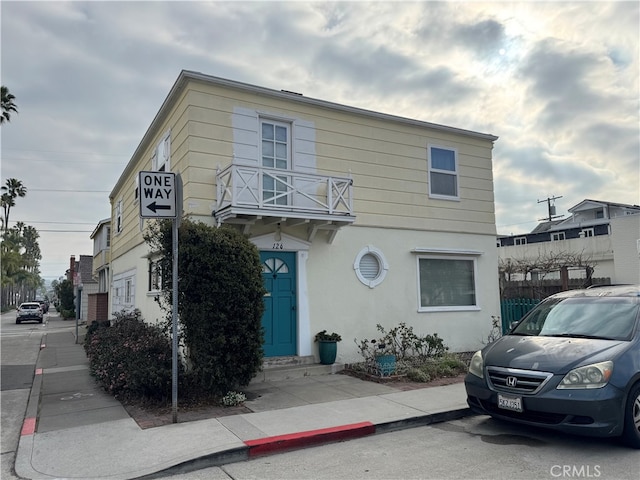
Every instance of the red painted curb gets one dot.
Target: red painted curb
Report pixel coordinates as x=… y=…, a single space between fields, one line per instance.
x=29 y=426
x=262 y=446
x=38 y=371
x=42 y=346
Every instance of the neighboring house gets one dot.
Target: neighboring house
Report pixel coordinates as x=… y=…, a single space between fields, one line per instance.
x=605 y=235
x=98 y=303
x=361 y=218
x=84 y=284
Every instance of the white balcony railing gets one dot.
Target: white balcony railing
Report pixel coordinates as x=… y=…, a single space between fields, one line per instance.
x=270 y=189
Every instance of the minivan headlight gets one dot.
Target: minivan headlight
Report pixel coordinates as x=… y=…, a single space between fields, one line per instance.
x=590 y=376
x=476 y=366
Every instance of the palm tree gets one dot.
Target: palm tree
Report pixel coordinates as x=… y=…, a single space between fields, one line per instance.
x=12 y=190
x=7 y=105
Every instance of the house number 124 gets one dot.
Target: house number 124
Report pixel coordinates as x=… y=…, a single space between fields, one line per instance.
x=278 y=246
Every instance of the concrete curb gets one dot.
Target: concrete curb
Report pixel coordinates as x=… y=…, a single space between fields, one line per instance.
x=312 y=438
x=292 y=441
x=24 y=451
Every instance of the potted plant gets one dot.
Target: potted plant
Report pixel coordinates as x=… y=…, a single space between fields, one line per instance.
x=327 y=346
x=385 y=360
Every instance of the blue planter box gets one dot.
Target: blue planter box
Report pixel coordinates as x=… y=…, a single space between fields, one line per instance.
x=386 y=365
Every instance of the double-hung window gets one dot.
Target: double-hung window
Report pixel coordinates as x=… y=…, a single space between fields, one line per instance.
x=161 y=157
x=276 y=155
x=443 y=172
x=155 y=276
x=447 y=283
x=118 y=215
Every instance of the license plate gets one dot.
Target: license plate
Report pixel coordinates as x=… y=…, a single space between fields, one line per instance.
x=510 y=403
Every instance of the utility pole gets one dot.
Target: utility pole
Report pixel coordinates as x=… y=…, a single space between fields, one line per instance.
x=550 y=208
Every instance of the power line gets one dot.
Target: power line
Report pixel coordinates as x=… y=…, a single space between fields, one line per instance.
x=84 y=160
x=57 y=223
x=68 y=153
x=67 y=191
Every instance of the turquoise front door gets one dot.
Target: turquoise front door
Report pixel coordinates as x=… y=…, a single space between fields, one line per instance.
x=279 y=319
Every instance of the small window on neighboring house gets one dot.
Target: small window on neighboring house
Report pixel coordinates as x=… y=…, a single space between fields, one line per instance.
x=557 y=236
x=136 y=197
x=162 y=154
x=108 y=233
x=118 y=215
x=587 y=232
x=600 y=213
x=370 y=266
x=521 y=241
x=443 y=172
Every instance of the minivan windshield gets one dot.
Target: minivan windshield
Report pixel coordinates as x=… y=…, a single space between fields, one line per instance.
x=611 y=318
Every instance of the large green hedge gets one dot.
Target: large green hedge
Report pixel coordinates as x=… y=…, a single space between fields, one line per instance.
x=220 y=303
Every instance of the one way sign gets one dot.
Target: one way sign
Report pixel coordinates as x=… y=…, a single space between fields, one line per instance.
x=157 y=194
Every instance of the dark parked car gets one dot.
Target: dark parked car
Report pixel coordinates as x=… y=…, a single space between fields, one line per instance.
x=571 y=364
x=29 y=311
x=44 y=304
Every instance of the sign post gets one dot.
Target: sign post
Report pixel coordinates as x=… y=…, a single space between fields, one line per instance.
x=158 y=193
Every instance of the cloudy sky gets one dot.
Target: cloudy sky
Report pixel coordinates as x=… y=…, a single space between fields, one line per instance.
x=557 y=82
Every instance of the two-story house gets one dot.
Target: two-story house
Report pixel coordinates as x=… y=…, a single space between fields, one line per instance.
x=603 y=235
x=84 y=285
x=360 y=217
x=98 y=302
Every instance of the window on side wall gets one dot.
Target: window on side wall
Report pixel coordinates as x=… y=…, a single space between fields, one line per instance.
x=118 y=215
x=521 y=241
x=555 y=237
x=447 y=283
x=155 y=276
x=162 y=155
x=128 y=292
x=443 y=173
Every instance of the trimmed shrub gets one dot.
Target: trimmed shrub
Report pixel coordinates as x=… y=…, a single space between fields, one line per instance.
x=220 y=303
x=130 y=359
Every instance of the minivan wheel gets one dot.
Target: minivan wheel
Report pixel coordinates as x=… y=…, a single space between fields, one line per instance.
x=17 y=322
x=631 y=435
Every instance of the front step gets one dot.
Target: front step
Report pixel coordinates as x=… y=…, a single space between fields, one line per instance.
x=274 y=371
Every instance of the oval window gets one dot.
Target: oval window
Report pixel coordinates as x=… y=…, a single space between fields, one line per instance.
x=370 y=266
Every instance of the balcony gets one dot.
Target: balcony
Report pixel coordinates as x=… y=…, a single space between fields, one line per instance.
x=250 y=194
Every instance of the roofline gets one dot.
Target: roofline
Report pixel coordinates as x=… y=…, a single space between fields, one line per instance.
x=608 y=204
x=187 y=75
x=100 y=224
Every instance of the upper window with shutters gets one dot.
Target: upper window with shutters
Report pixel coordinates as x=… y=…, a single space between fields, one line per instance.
x=443 y=173
x=276 y=144
x=162 y=154
x=275 y=149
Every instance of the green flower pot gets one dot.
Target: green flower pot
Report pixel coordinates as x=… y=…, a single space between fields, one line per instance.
x=328 y=351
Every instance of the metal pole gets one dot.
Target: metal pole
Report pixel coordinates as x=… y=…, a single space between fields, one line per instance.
x=174 y=324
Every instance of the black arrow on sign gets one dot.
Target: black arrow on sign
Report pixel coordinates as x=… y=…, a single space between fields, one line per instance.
x=153 y=207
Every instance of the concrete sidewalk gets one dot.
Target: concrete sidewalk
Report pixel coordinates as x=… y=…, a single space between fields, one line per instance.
x=73 y=429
